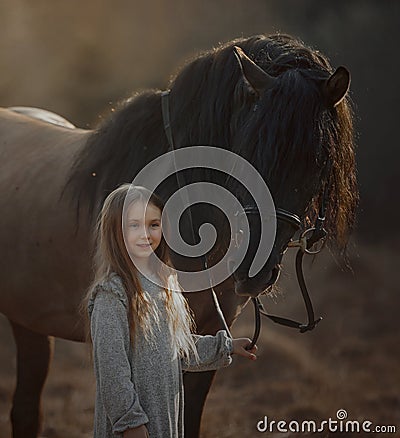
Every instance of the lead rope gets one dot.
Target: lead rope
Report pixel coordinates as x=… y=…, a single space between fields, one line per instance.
x=168 y=133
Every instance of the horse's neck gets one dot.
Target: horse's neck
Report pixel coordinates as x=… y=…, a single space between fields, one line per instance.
x=118 y=150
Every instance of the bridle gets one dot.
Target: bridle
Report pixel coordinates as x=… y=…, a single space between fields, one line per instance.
x=308 y=238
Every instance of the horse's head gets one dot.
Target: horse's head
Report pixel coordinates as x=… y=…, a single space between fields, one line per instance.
x=293 y=123
x=279 y=105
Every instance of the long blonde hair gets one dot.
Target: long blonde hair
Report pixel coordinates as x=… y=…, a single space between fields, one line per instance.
x=111 y=256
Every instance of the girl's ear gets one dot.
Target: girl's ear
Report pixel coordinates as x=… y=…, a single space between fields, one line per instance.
x=254 y=77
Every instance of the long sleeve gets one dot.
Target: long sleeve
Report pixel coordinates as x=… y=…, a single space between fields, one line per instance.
x=111 y=343
x=214 y=352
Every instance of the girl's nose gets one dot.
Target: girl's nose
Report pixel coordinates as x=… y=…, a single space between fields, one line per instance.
x=144 y=233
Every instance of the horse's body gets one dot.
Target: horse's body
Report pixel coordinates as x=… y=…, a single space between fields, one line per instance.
x=46 y=266
x=43 y=255
x=54 y=179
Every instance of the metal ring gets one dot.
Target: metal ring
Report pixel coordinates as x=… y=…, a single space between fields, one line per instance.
x=309 y=251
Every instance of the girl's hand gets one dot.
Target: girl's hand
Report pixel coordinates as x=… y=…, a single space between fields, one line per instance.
x=137 y=432
x=239 y=347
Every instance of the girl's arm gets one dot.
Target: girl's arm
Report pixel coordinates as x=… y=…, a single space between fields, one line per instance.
x=215 y=352
x=111 y=342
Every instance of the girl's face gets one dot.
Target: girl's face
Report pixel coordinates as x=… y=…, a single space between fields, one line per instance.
x=142 y=229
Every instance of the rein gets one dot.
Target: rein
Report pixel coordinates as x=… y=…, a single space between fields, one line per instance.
x=305 y=243
x=305 y=247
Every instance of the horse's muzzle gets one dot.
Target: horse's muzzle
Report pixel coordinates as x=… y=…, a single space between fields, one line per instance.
x=252 y=287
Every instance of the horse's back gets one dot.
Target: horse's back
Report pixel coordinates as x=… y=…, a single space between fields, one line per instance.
x=19 y=122
x=27 y=145
x=42 y=114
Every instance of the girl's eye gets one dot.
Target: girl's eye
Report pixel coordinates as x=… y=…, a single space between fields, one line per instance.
x=137 y=225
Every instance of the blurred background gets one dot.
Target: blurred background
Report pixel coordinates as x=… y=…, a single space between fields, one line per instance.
x=79 y=58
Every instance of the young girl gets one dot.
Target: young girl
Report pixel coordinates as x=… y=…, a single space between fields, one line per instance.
x=141 y=330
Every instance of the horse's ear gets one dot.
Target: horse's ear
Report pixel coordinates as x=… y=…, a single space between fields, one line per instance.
x=256 y=78
x=336 y=86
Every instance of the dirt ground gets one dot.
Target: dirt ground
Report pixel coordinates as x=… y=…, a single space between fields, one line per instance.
x=350 y=362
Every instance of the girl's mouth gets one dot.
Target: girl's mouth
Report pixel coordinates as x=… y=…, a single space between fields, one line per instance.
x=144 y=245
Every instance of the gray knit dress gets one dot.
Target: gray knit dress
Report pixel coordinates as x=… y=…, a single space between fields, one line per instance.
x=137 y=383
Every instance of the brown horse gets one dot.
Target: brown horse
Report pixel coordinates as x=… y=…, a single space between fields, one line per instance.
x=276 y=103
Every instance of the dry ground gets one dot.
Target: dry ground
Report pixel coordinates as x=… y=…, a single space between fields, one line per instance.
x=350 y=362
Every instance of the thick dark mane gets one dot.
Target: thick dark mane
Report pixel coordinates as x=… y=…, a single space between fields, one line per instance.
x=124 y=143
x=288 y=135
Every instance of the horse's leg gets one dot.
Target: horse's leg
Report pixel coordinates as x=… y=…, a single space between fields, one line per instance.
x=34 y=352
x=197 y=386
